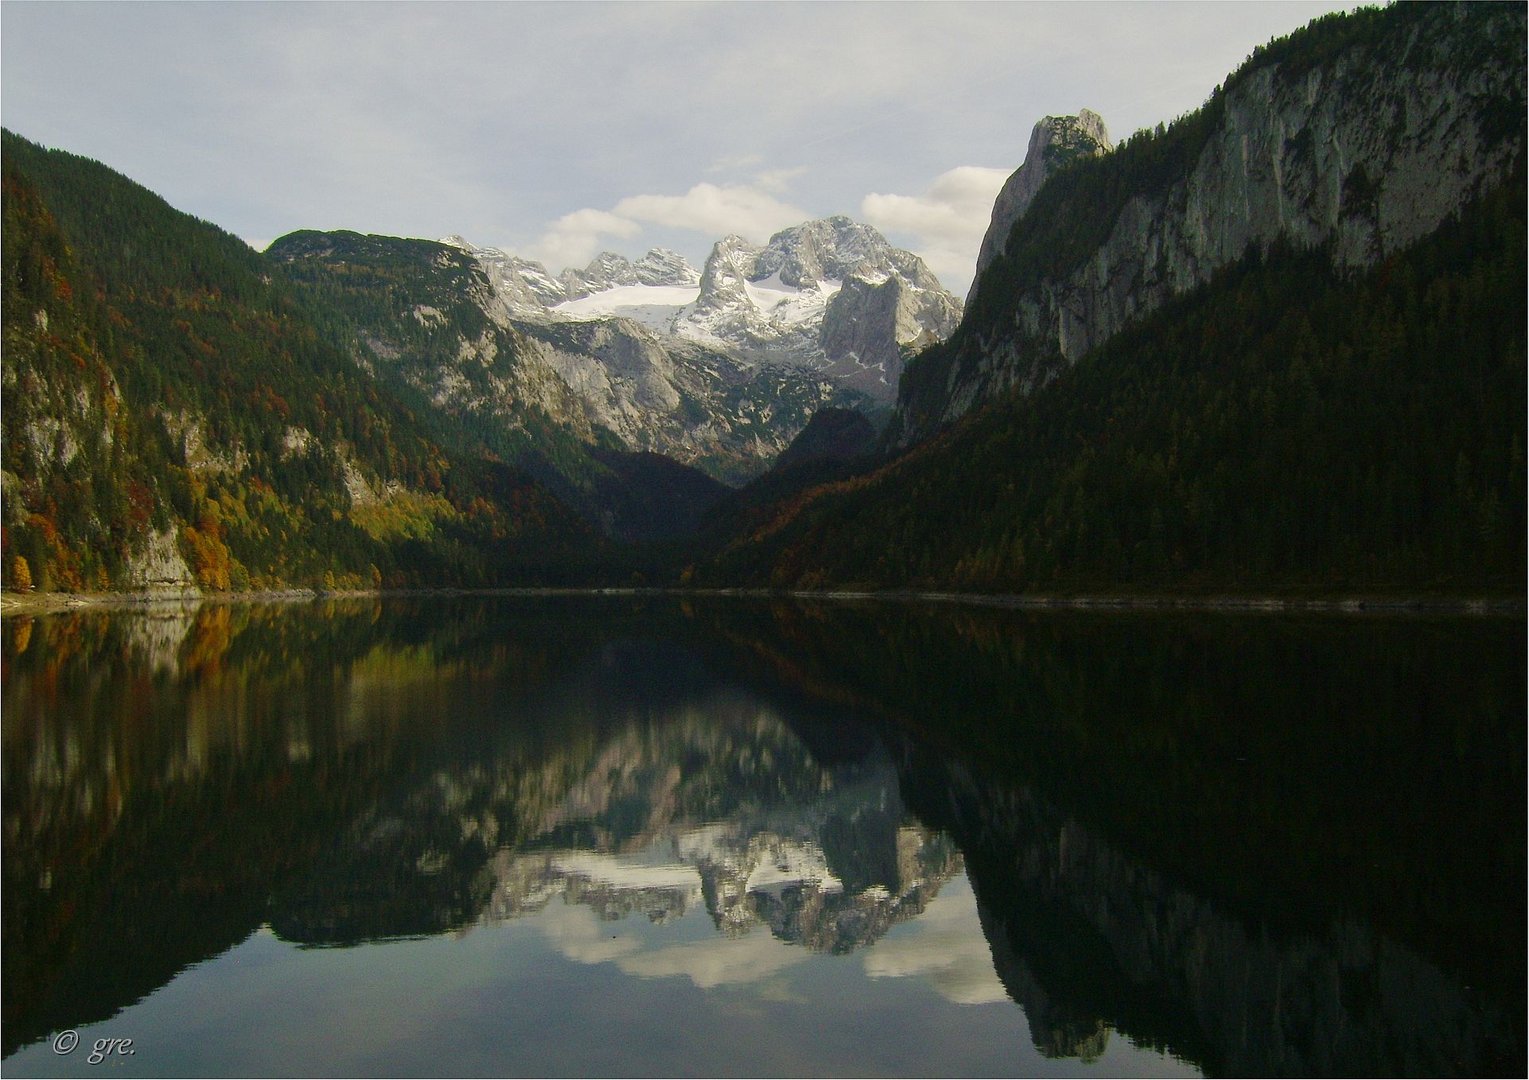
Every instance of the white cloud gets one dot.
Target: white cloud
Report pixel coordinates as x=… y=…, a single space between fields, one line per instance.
x=574 y=239
x=946 y=222
x=582 y=936
x=717 y=961
x=777 y=180
x=957 y=205
x=578 y=934
x=944 y=946
x=715 y=210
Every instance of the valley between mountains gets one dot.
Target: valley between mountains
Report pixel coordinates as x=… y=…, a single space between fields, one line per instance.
x=1274 y=348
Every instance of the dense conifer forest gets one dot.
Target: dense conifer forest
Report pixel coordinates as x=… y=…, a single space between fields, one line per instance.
x=159 y=375
x=1281 y=428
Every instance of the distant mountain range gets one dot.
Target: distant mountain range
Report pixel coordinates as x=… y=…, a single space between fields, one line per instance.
x=1276 y=345
x=831 y=297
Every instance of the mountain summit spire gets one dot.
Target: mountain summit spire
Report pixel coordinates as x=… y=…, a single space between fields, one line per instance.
x=1054 y=141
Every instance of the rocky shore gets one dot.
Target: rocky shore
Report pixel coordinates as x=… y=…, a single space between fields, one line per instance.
x=37 y=603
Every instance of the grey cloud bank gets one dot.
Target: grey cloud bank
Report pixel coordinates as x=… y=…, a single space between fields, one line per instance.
x=557 y=129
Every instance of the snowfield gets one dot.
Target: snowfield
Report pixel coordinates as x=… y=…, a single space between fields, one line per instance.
x=655 y=306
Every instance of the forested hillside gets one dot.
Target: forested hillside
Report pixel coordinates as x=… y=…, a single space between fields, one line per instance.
x=1285 y=427
x=404 y=308
x=422 y=319
x=1278 y=345
x=173 y=417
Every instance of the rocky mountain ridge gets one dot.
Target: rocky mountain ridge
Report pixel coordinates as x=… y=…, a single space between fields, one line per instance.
x=442 y=324
x=527 y=288
x=774 y=863
x=831 y=297
x=1366 y=146
x=1055 y=141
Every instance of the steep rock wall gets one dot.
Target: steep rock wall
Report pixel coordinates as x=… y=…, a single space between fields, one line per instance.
x=1054 y=141
x=1365 y=133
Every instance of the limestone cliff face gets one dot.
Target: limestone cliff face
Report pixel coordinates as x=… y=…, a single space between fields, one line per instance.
x=669 y=396
x=456 y=338
x=831 y=297
x=867 y=325
x=1054 y=141
x=159 y=566
x=66 y=423
x=1364 y=132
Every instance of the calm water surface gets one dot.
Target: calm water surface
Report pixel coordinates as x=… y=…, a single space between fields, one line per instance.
x=611 y=836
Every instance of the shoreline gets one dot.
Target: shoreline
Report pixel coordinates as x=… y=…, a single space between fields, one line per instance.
x=14 y=604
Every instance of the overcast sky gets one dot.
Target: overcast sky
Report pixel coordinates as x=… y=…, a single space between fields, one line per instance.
x=557 y=130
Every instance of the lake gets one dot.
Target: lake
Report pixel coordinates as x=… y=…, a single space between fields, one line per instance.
x=719 y=836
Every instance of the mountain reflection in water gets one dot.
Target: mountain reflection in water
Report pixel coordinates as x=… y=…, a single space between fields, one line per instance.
x=1238 y=846
x=708 y=802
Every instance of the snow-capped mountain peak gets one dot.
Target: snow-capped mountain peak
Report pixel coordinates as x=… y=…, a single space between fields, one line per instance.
x=523 y=285
x=784 y=302
x=664 y=268
x=831 y=248
x=789 y=298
